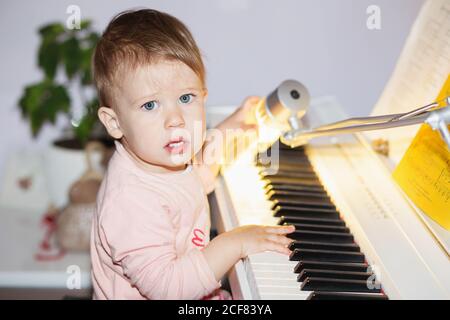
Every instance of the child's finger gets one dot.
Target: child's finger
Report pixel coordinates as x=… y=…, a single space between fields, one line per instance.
x=274 y=246
x=279 y=239
x=281 y=229
x=251 y=100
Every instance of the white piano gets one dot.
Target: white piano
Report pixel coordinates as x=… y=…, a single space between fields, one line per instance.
x=407 y=253
x=374 y=243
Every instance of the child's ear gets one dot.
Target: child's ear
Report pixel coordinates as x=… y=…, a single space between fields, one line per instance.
x=205 y=95
x=109 y=119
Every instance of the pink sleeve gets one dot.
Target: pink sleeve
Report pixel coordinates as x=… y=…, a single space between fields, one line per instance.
x=141 y=238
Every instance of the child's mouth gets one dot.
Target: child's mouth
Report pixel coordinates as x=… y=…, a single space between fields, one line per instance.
x=176 y=146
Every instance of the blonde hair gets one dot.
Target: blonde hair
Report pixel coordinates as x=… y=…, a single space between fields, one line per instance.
x=137 y=37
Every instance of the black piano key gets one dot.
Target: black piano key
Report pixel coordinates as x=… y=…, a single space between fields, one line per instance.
x=328 y=284
x=284 y=146
x=293 y=181
x=283 y=186
x=293 y=155
x=300 y=173
x=306 y=202
x=320 y=221
x=327 y=213
x=330 y=246
x=285 y=166
x=307 y=235
x=319 y=200
x=287 y=170
x=308 y=273
x=327 y=255
x=319 y=227
x=293 y=158
x=301 y=204
x=319 y=295
x=310 y=198
x=338 y=266
x=274 y=194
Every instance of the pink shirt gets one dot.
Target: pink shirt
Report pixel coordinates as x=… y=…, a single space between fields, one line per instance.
x=148 y=233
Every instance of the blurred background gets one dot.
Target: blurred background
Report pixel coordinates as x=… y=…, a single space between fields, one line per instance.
x=249 y=47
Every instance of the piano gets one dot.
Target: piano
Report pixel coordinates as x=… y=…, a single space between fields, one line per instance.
x=357 y=235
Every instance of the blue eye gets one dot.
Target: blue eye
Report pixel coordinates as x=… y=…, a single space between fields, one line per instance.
x=186 y=98
x=150 y=105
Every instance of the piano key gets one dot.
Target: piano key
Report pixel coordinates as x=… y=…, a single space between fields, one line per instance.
x=293 y=170
x=305 y=201
x=349 y=247
x=326 y=255
x=318 y=295
x=338 y=266
x=300 y=173
x=328 y=284
x=285 y=296
x=288 y=171
x=270 y=267
x=326 y=213
x=302 y=205
x=285 y=166
x=269 y=289
x=318 y=236
x=278 y=282
x=333 y=274
x=294 y=193
x=294 y=158
x=320 y=227
x=299 y=199
x=284 y=146
x=275 y=274
x=271 y=257
x=294 y=181
x=282 y=186
x=304 y=220
x=309 y=213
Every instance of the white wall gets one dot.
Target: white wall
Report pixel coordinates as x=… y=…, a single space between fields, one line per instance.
x=250 y=47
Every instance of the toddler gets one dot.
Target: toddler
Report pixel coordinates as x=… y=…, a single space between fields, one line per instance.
x=150 y=232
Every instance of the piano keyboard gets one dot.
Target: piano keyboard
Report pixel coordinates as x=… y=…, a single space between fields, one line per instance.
x=363 y=219
x=325 y=263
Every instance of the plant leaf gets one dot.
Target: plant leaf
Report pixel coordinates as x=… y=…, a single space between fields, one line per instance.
x=71 y=56
x=86 y=124
x=42 y=102
x=48 y=58
x=51 y=31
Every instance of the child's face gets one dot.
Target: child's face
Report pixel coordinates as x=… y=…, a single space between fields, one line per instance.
x=159 y=114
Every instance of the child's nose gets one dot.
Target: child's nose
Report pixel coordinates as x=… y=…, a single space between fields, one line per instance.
x=174 y=118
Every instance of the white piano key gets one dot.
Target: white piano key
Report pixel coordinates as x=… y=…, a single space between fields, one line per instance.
x=290 y=283
x=270 y=257
x=285 y=296
x=275 y=274
x=270 y=289
x=281 y=267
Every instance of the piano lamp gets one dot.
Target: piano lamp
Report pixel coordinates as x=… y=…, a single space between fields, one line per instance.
x=284 y=110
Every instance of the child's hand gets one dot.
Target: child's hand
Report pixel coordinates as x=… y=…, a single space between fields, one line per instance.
x=227 y=248
x=244 y=117
x=253 y=239
x=246 y=113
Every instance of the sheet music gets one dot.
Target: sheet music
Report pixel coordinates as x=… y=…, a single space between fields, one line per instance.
x=421 y=70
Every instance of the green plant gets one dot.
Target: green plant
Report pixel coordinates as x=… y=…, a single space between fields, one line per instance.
x=68 y=52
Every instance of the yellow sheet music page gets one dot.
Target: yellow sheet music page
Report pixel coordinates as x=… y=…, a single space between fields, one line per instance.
x=424 y=171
